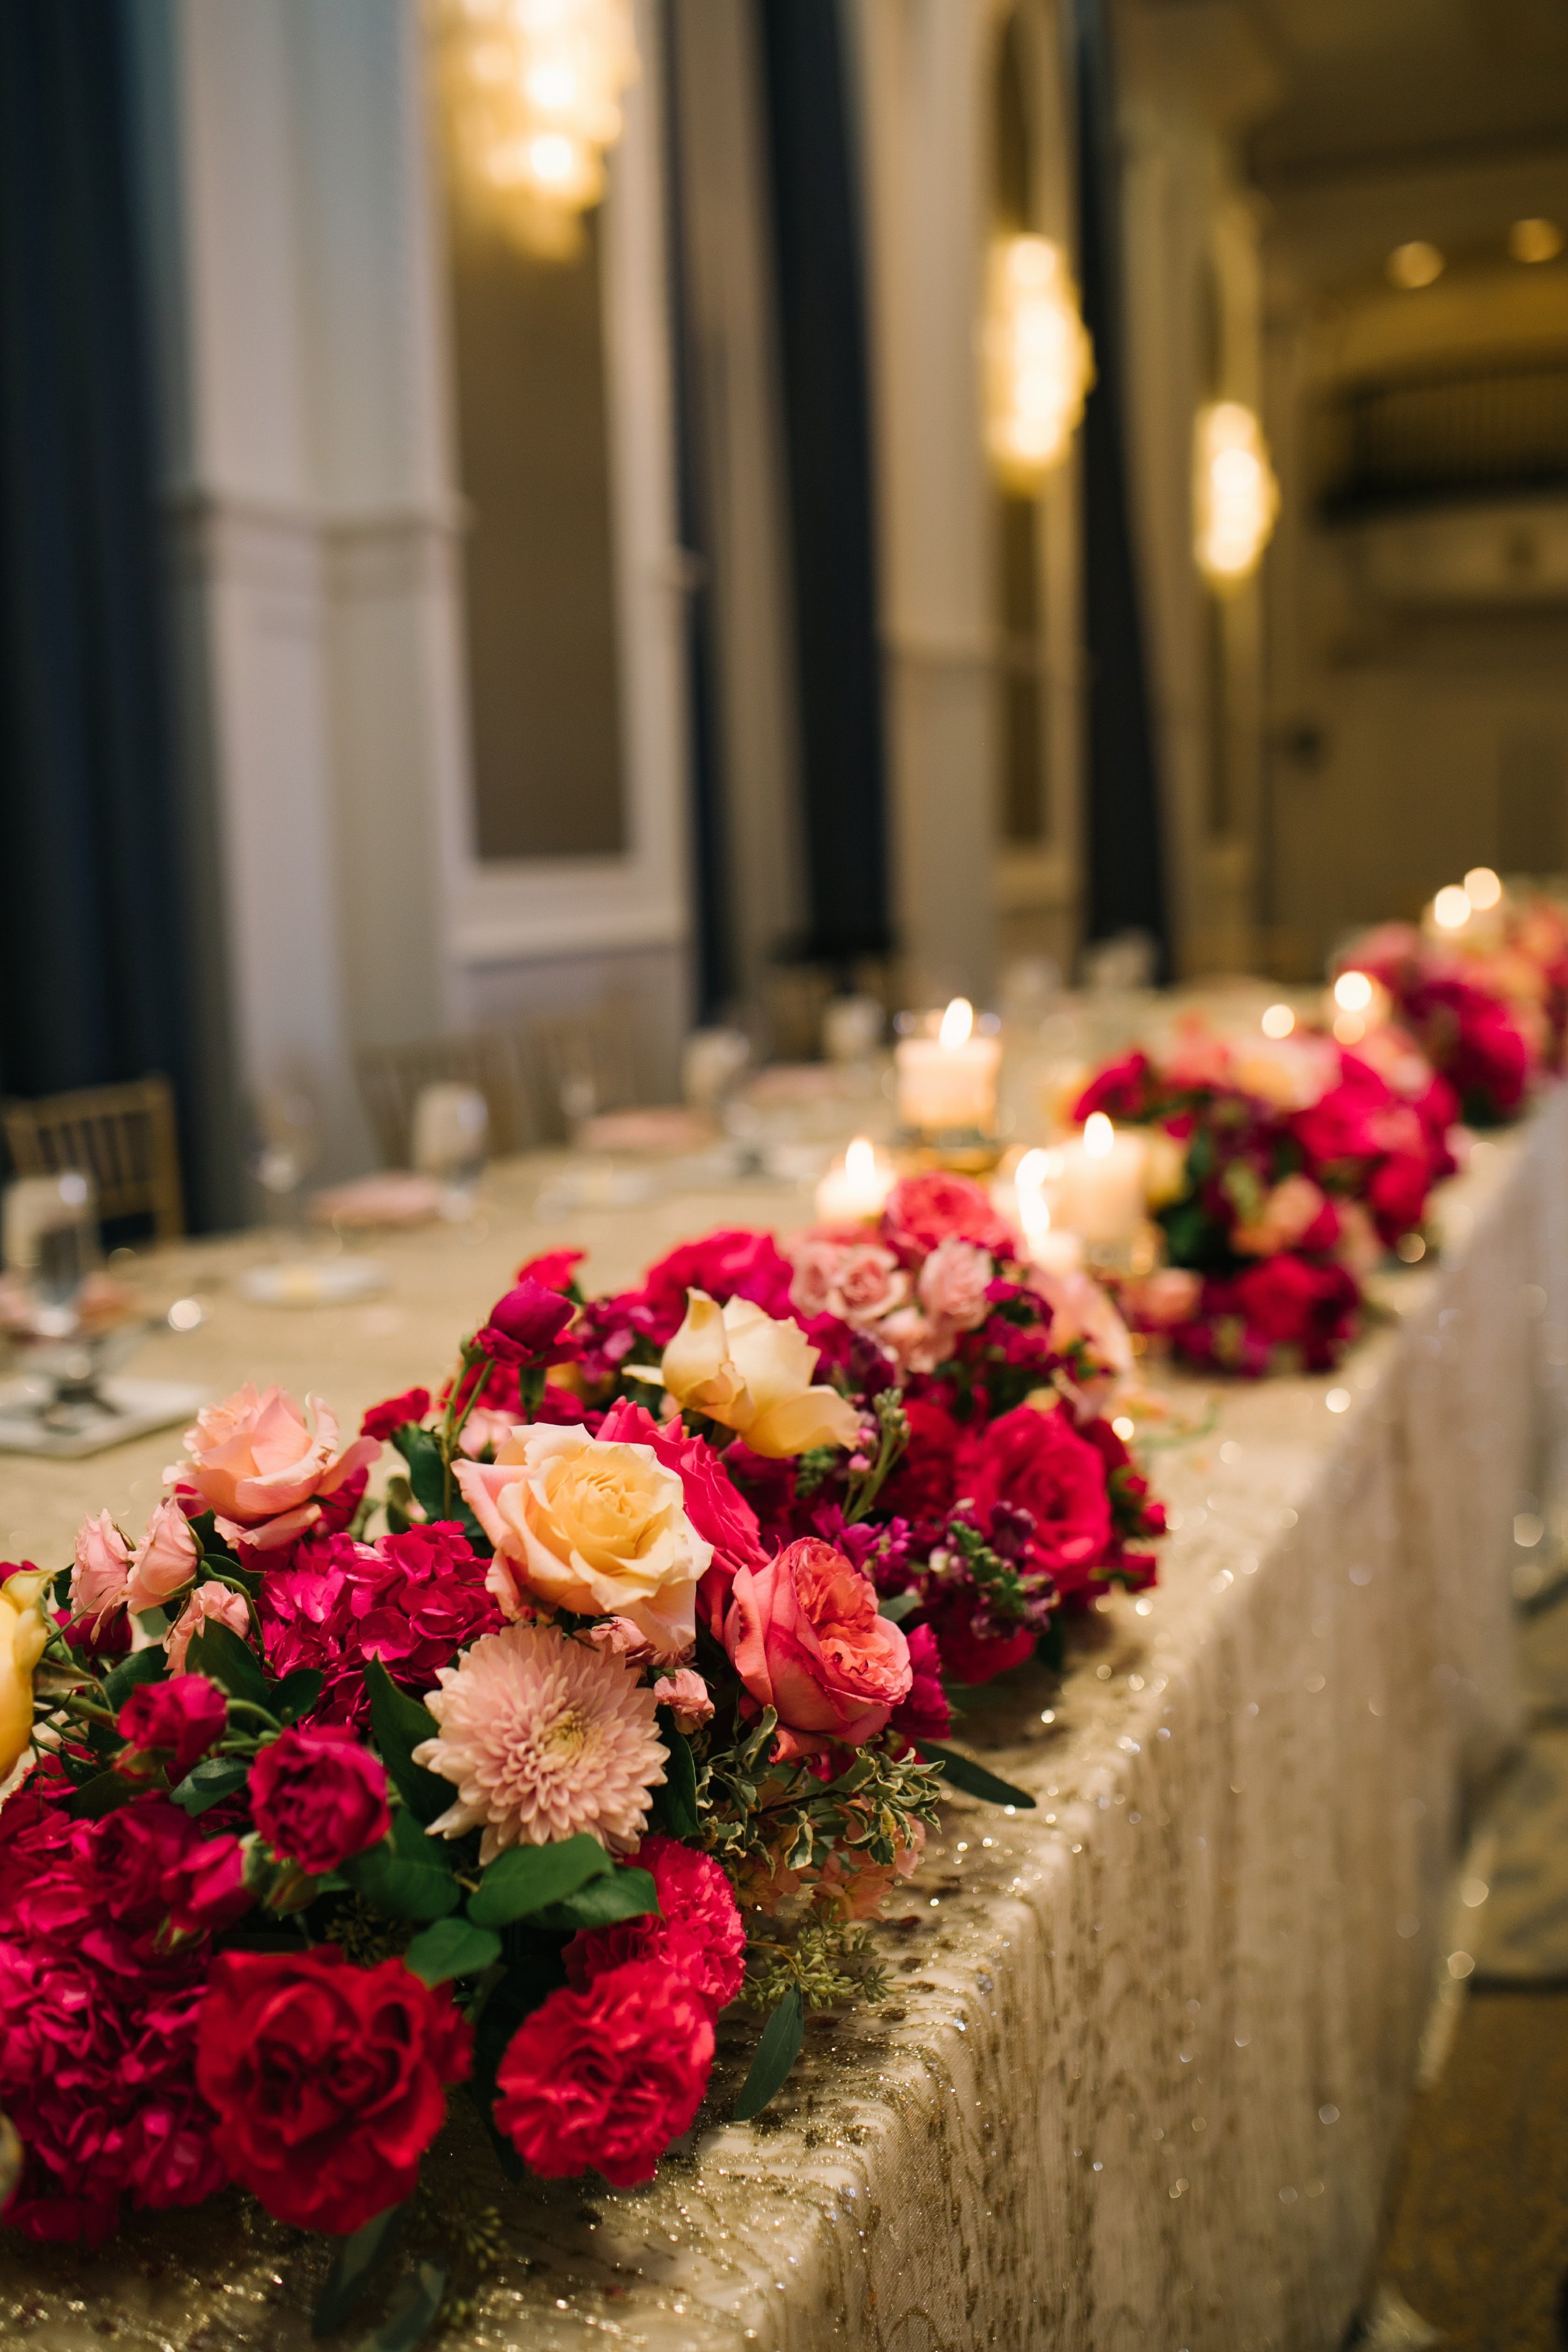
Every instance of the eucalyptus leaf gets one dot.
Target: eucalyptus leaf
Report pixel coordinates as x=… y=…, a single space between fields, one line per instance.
x=399 y=1723
x=776 y=2053
x=452 y=1948
x=527 y=1878
x=356 y=2263
x=973 y=1779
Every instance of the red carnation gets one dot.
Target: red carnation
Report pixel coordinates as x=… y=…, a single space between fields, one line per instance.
x=327 y=2079
x=385 y=1419
x=525 y=1326
x=698 y=1932
x=319 y=1797
x=607 y=2077
x=172 y=1724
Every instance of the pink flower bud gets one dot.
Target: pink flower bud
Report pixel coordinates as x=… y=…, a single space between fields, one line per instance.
x=165 y=1558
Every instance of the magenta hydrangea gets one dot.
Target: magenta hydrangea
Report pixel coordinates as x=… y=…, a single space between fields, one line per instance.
x=410 y=1600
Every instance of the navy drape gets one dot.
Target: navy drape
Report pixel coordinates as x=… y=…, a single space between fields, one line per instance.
x=1126 y=862
x=92 y=966
x=817 y=249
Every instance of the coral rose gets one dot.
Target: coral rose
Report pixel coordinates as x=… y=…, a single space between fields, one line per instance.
x=598 y=1528
x=805 y=1639
x=607 y=2077
x=319 y=1797
x=327 y=2079
x=749 y=1374
x=265 y=1473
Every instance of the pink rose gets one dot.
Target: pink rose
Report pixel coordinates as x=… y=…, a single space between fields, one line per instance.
x=685 y=1695
x=1295 y=1212
x=855 y=1280
x=266 y=1475
x=484 y=1430
x=100 y=1580
x=210 y=1600
x=952 y=1285
x=805 y=1639
x=165 y=1558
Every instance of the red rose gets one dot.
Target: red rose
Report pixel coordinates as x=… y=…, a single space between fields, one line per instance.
x=735 y=1263
x=1291 y=1302
x=319 y=1797
x=973 y=1648
x=525 y=1326
x=805 y=1638
x=925 y=1714
x=922 y=1211
x=172 y=1724
x=1038 y=1462
x=696 y=1932
x=327 y=2079
x=607 y=2077
x=383 y=1419
x=923 y=1486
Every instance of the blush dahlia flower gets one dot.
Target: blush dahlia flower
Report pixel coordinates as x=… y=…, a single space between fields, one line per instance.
x=543 y=1738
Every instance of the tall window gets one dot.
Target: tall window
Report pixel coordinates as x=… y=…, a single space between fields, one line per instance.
x=1024 y=809
x=533 y=451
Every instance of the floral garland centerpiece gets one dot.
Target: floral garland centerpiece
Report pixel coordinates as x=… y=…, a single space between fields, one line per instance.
x=635 y=1704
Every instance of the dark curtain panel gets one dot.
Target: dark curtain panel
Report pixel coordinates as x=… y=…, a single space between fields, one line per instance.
x=828 y=440
x=1126 y=861
x=93 y=978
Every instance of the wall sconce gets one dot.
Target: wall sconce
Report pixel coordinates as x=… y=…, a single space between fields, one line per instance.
x=1038 y=360
x=1235 y=494
x=533 y=89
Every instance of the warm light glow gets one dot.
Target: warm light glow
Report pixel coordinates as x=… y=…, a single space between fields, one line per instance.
x=1352 y=992
x=1099 y=1136
x=1413 y=266
x=1038 y=360
x=1277 y=1021
x=533 y=90
x=1123 y=1427
x=1029 y=1178
x=1451 y=907
x=1483 y=888
x=1235 y=494
x=1350 y=1028
x=1536 y=240
x=860 y=1161
x=956 y=1023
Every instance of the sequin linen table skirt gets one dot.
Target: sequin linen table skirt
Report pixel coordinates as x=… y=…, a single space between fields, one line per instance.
x=1144 y=2068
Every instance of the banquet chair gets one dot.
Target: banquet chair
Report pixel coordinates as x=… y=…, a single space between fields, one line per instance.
x=392 y=1077
x=587 y=1063
x=123 y=1136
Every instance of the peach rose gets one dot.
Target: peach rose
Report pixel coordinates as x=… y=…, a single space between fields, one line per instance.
x=165 y=1558
x=262 y=1470
x=805 y=1639
x=101 y=1579
x=753 y=1375
x=208 y=1602
x=597 y=1529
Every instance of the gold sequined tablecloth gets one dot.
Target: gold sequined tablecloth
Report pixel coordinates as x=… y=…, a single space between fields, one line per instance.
x=1145 y=2067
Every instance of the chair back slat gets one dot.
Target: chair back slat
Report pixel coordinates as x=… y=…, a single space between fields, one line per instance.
x=122 y=1137
x=392 y=1077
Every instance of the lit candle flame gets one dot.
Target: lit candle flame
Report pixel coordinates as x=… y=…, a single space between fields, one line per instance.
x=1099 y=1136
x=956 y=1023
x=1451 y=907
x=860 y=1161
x=1482 y=888
x=1352 y=992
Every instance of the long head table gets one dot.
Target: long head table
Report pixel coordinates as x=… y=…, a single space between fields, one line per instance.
x=1149 y=2053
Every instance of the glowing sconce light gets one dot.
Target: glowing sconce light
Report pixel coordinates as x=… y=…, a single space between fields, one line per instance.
x=1038 y=360
x=533 y=90
x=1235 y=494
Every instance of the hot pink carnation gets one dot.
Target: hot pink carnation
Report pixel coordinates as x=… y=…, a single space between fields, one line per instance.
x=698 y=1933
x=805 y=1639
x=608 y=2076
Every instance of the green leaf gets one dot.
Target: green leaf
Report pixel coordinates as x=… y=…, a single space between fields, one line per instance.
x=973 y=1778
x=297 y=1693
x=208 y=1784
x=395 y=1877
x=451 y=1947
x=218 y=1653
x=412 y=2310
x=525 y=1986
x=357 y=2261
x=104 y=1793
x=776 y=2053
x=400 y=1723
x=141 y=1666
x=623 y=1895
x=527 y=1878
x=898 y=1606
x=427 y=1472
x=676 y=1802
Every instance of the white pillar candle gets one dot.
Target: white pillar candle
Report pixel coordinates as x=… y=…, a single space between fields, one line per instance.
x=855 y=1188
x=947 y=1084
x=1026 y=1203
x=1099 y=1193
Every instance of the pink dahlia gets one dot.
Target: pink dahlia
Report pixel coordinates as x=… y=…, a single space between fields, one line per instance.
x=607 y=2077
x=697 y=1931
x=543 y=1738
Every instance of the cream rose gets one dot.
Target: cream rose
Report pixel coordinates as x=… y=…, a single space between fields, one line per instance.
x=753 y=1375
x=600 y=1529
x=23 y=1630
